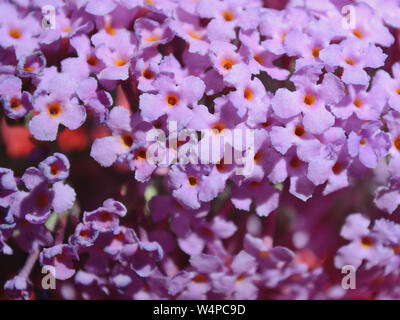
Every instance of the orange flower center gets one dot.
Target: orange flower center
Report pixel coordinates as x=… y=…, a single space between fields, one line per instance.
x=15 y=104
x=15 y=33
x=192 y=181
x=258 y=58
x=200 y=278
x=227 y=64
x=398 y=91
x=337 y=168
x=358 y=33
x=295 y=162
x=84 y=234
x=315 y=52
x=309 y=99
x=258 y=156
x=240 y=278
x=127 y=140
x=54 y=109
x=194 y=35
x=92 y=60
x=54 y=169
x=363 y=142
x=66 y=29
x=358 y=103
x=367 y=242
x=148 y=74
x=299 y=131
x=218 y=128
x=264 y=254
x=140 y=154
x=248 y=94
x=172 y=100
x=396 y=143
x=42 y=200
x=120 y=62
x=105 y=216
x=349 y=62
x=227 y=15
x=109 y=29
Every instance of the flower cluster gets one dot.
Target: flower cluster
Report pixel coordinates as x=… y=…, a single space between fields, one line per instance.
x=92 y=87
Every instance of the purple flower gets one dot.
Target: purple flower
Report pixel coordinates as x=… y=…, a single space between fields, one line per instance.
x=18 y=288
x=16 y=104
x=35 y=206
x=106 y=218
x=55 y=168
x=8 y=187
x=60 y=257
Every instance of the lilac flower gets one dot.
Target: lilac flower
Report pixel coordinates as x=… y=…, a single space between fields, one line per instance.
x=353 y=56
x=362 y=246
x=390 y=86
x=387 y=197
x=366 y=105
x=116 y=57
x=18 y=32
x=150 y=33
x=374 y=31
x=172 y=99
x=265 y=196
x=106 y=150
x=96 y=100
x=226 y=15
x=311 y=101
x=188 y=28
x=370 y=145
x=193 y=184
x=80 y=68
x=57 y=107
